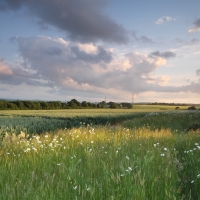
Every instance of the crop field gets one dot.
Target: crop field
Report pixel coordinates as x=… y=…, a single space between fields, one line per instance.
x=87 y=112
x=137 y=155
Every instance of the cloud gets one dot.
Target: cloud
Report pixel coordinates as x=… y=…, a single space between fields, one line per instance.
x=143 y=38
x=5 y=70
x=166 y=54
x=196 y=26
x=55 y=62
x=164 y=19
x=65 y=67
x=101 y=56
x=58 y=63
x=3 y=89
x=82 y=20
x=193 y=41
x=198 y=72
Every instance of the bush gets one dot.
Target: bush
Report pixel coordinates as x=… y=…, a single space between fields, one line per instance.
x=194 y=126
x=192 y=108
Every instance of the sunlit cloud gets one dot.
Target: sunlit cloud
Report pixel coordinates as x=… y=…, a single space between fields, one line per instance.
x=4 y=68
x=164 y=19
x=65 y=65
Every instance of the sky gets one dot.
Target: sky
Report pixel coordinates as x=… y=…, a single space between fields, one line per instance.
x=93 y=50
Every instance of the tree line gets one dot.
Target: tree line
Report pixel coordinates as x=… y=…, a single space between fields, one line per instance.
x=51 y=105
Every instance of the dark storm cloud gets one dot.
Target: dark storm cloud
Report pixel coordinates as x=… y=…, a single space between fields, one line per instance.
x=166 y=54
x=82 y=20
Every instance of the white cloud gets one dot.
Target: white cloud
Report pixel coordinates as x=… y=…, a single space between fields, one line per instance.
x=164 y=19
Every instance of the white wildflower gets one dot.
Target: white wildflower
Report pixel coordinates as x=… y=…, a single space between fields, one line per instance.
x=75 y=187
x=130 y=169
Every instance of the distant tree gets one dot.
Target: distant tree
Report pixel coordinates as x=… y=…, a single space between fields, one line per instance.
x=64 y=106
x=74 y=103
x=127 y=105
x=44 y=105
x=192 y=108
x=177 y=108
x=11 y=106
x=89 y=104
x=94 y=105
x=84 y=104
x=113 y=105
x=29 y=105
x=19 y=104
x=102 y=104
x=37 y=105
x=2 y=107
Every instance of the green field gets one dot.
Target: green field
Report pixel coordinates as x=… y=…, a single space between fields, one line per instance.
x=154 y=155
x=89 y=112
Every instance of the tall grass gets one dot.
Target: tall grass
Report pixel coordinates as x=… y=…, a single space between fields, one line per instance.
x=176 y=121
x=101 y=163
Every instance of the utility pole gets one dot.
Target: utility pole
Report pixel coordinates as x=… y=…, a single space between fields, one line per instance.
x=132 y=98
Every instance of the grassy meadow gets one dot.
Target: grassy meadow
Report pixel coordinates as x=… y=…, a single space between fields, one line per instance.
x=153 y=156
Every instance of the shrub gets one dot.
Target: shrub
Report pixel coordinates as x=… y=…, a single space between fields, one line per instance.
x=192 y=108
x=194 y=126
